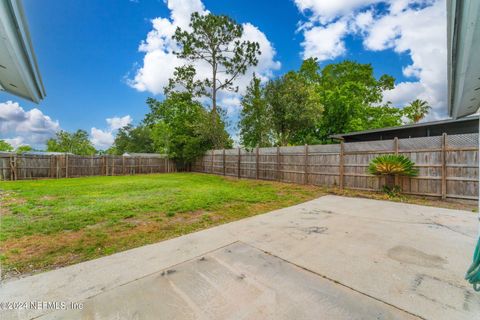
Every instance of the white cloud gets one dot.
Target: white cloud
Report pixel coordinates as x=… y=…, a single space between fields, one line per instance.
x=413 y=27
x=325 y=42
x=25 y=127
x=160 y=61
x=103 y=138
x=327 y=10
x=119 y=122
x=16 y=142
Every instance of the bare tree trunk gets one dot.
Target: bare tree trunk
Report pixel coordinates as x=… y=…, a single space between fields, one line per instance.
x=390 y=181
x=214 y=85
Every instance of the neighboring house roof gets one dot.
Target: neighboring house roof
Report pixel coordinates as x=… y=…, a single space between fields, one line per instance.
x=19 y=73
x=463 y=38
x=146 y=155
x=425 y=129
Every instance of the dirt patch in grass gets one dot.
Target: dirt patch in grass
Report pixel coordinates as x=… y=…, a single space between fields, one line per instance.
x=7 y=200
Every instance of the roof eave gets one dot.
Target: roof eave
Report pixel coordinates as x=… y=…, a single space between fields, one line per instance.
x=21 y=50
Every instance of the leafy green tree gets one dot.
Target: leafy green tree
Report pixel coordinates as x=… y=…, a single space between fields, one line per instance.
x=181 y=127
x=309 y=105
x=255 y=121
x=373 y=117
x=286 y=111
x=133 y=139
x=216 y=40
x=23 y=148
x=350 y=92
x=417 y=110
x=295 y=109
x=5 y=146
x=76 y=143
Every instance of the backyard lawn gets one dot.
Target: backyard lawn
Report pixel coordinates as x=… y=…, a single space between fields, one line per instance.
x=47 y=224
x=50 y=223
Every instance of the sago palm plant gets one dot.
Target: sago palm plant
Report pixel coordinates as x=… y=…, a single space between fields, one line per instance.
x=392 y=165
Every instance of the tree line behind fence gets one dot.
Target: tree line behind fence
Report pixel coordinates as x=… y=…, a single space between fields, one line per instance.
x=448 y=164
x=25 y=166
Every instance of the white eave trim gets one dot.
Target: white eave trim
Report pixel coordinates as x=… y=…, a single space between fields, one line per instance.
x=463 y=38
x=15 y=29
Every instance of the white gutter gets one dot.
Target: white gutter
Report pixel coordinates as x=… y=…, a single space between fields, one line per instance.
x=463 y=38
x=19 y=73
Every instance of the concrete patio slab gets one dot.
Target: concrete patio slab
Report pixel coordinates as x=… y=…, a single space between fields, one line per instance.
x=333 y=258
x=215 y=285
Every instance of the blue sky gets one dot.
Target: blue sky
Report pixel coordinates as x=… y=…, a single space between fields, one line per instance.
x=93 y=70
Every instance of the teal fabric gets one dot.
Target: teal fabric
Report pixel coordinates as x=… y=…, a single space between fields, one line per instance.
x=473 y=273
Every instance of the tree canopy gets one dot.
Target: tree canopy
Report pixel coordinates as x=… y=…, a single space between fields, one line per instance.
x=254 y=125
x=133 y=139
x=216 y=41
x=350 y=93
x=181 y=127
x=5 y=146
x=417 y=110
x=311 y=104
x=76 y=143
x=23 y=148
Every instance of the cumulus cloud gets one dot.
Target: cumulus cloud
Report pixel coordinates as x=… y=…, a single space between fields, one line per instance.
x=16 y=142
x=413 y=27
x=18 y=126
x=119 y=122
x=103 y=138
x=325 y=42
x=326 y=10
x=159 y=61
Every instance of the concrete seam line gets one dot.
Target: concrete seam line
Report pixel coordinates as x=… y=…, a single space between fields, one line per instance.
x=334 y=281
x=147 y=275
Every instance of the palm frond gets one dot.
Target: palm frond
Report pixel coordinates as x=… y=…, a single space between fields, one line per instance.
x=392 y=164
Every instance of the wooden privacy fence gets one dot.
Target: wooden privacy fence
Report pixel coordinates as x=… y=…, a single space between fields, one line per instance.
x=448 y=164
x=25 y=166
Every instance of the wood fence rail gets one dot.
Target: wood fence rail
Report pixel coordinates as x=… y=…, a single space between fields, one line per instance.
x=448 y=165
x=26 y=166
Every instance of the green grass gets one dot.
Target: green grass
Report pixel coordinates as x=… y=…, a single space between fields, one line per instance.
x=51 y=223
x=47 y=224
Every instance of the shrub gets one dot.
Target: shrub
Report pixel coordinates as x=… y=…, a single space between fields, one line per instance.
x=390 y=166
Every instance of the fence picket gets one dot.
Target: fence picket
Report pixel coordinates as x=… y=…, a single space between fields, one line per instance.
x=447 y=169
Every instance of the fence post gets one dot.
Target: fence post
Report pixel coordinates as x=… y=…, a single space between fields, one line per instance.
x=395 y=149
x=66 y=165
x=13 y=167
x=256 y=164
x=123 y=165
x=223 y=160
x=238 y=164
x=58 y=166
x=342 y=161
x=278 y=164
x=444 y=165
x=52 y=166
x=91 y=165
x=113 y=165
x=213 y=155
x=305 y=168
x=10 y=162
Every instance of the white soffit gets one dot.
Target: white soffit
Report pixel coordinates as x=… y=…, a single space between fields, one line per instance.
x=464 y=57
x=19 y=74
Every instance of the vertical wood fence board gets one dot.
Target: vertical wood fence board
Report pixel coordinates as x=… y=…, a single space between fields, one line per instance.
x=455 y=167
